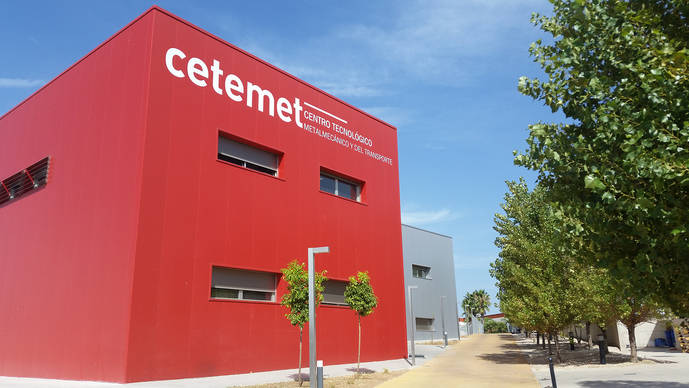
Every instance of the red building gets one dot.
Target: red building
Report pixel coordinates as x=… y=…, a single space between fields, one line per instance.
x=151 y=194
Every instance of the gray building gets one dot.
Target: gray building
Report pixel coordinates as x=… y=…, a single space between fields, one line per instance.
x=429 y=265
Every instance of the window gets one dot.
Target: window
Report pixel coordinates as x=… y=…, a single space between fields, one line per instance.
x=419 y=271
x=247 y=156
x=232 y=283
x=25 y=181
x=424 y=324
x=341 y=187
x=333 y=292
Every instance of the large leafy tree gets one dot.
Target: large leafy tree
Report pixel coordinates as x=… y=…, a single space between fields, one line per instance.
x=360 y=297
x=540 y=284
x=618 y=166
x=296 y=299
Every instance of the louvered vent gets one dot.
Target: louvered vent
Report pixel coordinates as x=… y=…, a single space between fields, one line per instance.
x=25 y=181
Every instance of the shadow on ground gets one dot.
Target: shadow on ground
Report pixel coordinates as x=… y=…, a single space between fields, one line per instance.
x=579 y=356
x=506 y=357
x=364 y=371
x=631 y=384
x=295 y=376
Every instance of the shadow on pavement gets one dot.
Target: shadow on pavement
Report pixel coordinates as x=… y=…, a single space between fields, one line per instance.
x=365 y=371
x=631 y=384
x=506 y=357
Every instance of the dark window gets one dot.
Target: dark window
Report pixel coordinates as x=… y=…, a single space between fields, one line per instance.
x=419 y=271
x=25 y=181
x=328 y=184
x=247 y=156
x=424 y=324
x=232 y=283
x=341 y=187
x=333 y=292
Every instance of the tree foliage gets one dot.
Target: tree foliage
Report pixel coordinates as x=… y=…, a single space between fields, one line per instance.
x=360 y=297
x=296 y=299
x=541 y=285
x=491 y=326
x=359 y=294
x=618 y=166
x=476 y=303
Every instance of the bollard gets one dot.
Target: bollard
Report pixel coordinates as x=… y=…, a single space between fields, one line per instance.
x=319 y=373
x=552 y=372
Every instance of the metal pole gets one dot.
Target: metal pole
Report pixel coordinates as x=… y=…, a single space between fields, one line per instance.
x=442 y=317
x=552 y=372
x=413 y=325
x=313 y=369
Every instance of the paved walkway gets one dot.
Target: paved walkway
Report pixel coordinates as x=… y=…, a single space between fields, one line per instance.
x=489 y=360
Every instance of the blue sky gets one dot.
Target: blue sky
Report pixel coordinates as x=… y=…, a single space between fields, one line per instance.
x=444 y=72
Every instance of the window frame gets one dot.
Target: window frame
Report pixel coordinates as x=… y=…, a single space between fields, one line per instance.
x=358 y=185
x=326 y=303
x=240 y=290
x=420 y=267
x=425 y=327
x=248 y=164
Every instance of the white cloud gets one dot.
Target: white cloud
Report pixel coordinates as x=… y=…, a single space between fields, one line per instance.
x=427 y=217
x=390 y=114
x=443 y=41
x=19 y=82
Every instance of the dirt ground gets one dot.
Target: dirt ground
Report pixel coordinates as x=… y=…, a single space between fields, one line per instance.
x=364 y=380
x=580 y=356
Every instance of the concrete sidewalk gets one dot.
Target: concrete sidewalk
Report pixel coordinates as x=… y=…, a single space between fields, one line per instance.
x=662 y=368
x=427 y=352
x=487 y=360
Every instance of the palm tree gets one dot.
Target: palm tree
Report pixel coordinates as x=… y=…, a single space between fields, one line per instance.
x=481 y=302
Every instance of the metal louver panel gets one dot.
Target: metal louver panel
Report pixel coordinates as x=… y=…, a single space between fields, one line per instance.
x=24 y=181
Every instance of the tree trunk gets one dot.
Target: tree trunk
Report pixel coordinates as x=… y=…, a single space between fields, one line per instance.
x=589 y=340
x=301 y=381
x=557 y=349
x=632 y=343
x=358 y=353
x=538 y=337
x=605 y=340
x=543 y=340
x=550 y=345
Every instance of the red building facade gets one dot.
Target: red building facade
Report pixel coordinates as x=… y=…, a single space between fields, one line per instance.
x=182 y=175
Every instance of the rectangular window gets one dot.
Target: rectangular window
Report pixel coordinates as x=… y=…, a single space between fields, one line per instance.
x=424 y=324
x=341 y=187
x=421 y=272
x=333 y=292
x=25 y=181
x=247 y=156
x=232 y=283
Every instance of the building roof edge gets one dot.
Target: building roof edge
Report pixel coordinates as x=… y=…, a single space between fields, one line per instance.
x=426 y=230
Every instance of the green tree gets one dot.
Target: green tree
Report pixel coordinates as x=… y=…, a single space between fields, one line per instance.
x=618 y=166
x=476 y=304
x=360 y=297
x=540 y=284
x=491 y=326
x=296 y=299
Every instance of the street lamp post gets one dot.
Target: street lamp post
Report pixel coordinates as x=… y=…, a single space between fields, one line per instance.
x=313 y=369
x=442 y=317
x=413 y=325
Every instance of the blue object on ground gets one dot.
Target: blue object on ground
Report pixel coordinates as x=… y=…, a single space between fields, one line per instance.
x=670 y=337
x=660 y=342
